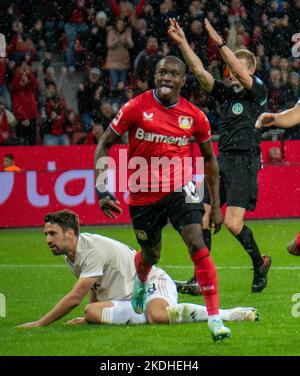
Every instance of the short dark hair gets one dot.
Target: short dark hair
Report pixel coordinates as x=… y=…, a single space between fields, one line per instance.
x=65 y=219
x=9 y=156
x=174 y=59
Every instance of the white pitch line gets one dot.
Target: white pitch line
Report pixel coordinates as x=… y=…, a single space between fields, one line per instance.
x=31 y=266
x=233 y=267
x=229 y=267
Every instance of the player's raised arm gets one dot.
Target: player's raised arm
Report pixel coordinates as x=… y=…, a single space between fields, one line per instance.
x=229 y=57
x=211 y=169
x=285 y=119
x=107 y=201
x=177 y=35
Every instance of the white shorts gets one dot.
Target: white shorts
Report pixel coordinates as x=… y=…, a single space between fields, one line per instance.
x=161 y=286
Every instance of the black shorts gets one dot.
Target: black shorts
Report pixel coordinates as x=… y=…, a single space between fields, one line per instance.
x=149 y=220
x=238 y=181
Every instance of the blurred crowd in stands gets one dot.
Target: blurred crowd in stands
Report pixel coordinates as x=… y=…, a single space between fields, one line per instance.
x=116 y=44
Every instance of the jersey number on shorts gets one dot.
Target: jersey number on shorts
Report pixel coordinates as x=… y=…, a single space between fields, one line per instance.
x=152 y=288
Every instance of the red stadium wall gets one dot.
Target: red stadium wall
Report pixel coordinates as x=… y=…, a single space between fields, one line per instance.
x=61 y=177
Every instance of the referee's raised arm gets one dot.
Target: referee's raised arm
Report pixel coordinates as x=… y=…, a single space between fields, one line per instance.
x=230 y=58
x=177 y=35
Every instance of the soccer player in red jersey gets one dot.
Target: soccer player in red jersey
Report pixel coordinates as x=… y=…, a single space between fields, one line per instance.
x=160 y=123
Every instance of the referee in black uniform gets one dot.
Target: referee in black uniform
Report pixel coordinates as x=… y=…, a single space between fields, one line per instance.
x=239 y=153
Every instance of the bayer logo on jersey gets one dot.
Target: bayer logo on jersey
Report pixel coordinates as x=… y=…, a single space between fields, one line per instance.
x=185 y=122
x=237 y=108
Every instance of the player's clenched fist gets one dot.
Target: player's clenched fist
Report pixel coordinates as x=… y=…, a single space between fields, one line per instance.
x=109 y=205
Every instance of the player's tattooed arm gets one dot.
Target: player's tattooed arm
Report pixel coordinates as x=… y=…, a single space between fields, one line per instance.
x=211 y=169
x=176 y=34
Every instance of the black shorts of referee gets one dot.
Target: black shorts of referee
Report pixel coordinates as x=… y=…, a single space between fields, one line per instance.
x=238 y=180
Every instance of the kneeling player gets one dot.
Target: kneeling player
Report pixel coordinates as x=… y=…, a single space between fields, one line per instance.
x=105 y=268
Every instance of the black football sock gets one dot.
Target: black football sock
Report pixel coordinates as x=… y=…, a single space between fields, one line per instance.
x=207 y=238
x=245 y=237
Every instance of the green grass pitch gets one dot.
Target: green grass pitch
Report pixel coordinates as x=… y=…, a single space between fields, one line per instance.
x=33 y=280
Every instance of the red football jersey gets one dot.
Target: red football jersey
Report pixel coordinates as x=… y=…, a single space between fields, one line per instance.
x=156 y=132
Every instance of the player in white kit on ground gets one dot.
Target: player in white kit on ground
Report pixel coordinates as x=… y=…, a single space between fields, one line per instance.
x=105 y=269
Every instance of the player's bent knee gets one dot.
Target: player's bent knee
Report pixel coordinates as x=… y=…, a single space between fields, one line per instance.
x=158 y=317
x=233 y=226
x=91 y=314
x=155 y=257
x=87 y=312
x=195 y=242
x=152 y=254
x=156 y=311
x=192 y=236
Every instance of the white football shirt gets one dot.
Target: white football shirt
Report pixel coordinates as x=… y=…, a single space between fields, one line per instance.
x=111 y=261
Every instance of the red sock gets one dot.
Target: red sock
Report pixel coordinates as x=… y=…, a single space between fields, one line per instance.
x=206 y=275
x=142 y=267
